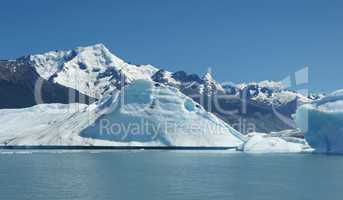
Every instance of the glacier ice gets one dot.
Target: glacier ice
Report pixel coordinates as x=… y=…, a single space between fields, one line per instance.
x=173 y=120
x=322 y=123
x=265 y=143
x=151 y=112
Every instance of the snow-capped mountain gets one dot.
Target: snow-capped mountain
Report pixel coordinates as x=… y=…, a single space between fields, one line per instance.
x=271 y=92
x=219 y=112
x=88 y=73
x=190 y=84
x=316 y=96
x=266 y=106
x=92 y=70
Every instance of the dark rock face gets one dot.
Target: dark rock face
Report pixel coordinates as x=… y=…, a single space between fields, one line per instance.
x=18 y=80
x=118 y=79
x=250 y=115
x=180 y=76
x=184 y=77
x=159 y=76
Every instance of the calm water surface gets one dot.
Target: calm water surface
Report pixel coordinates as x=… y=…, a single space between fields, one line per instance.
x=164 y=175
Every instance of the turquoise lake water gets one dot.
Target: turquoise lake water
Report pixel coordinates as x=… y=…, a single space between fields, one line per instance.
x=164 y=175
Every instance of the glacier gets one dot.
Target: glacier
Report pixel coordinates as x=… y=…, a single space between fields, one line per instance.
x=322 y=123
x=171 y=118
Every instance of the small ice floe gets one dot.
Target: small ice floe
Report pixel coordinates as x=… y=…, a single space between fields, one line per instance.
x=265 y=143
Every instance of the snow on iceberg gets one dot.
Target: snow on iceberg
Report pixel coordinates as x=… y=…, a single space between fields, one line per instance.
x=39 y=125
x=144 y=114
x=152 y=113
x=322 y=123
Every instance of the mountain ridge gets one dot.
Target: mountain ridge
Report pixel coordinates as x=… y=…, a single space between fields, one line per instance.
x=93 y=72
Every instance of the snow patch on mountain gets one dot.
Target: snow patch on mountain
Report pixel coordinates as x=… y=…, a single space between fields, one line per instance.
x=271 y=85
x=211 y=86
x=272 y=93
x=190 y=84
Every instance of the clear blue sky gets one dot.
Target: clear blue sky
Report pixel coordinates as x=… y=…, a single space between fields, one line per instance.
x=240 y=40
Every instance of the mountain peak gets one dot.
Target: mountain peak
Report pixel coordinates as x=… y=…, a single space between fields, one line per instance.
x=93 y=70
x=208 y=77
x=95 y=47
x=99 y=45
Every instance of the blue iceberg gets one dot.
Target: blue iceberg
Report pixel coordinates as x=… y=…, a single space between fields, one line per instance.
x=322 y=123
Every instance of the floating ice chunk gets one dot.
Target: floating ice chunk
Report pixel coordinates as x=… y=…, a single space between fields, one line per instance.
x=263 y=143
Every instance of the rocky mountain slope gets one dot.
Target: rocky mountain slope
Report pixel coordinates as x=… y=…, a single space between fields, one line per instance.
x=21 y=86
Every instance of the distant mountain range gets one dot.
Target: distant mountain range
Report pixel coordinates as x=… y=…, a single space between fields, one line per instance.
x=87 y=74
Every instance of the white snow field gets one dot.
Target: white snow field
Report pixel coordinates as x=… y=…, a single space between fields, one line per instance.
x=144 y=114
x=322 y=123
x=265 y=143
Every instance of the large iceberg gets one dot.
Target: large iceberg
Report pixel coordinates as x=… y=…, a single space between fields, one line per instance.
x=143 y=114
x=322 y=123
x=152 y=113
